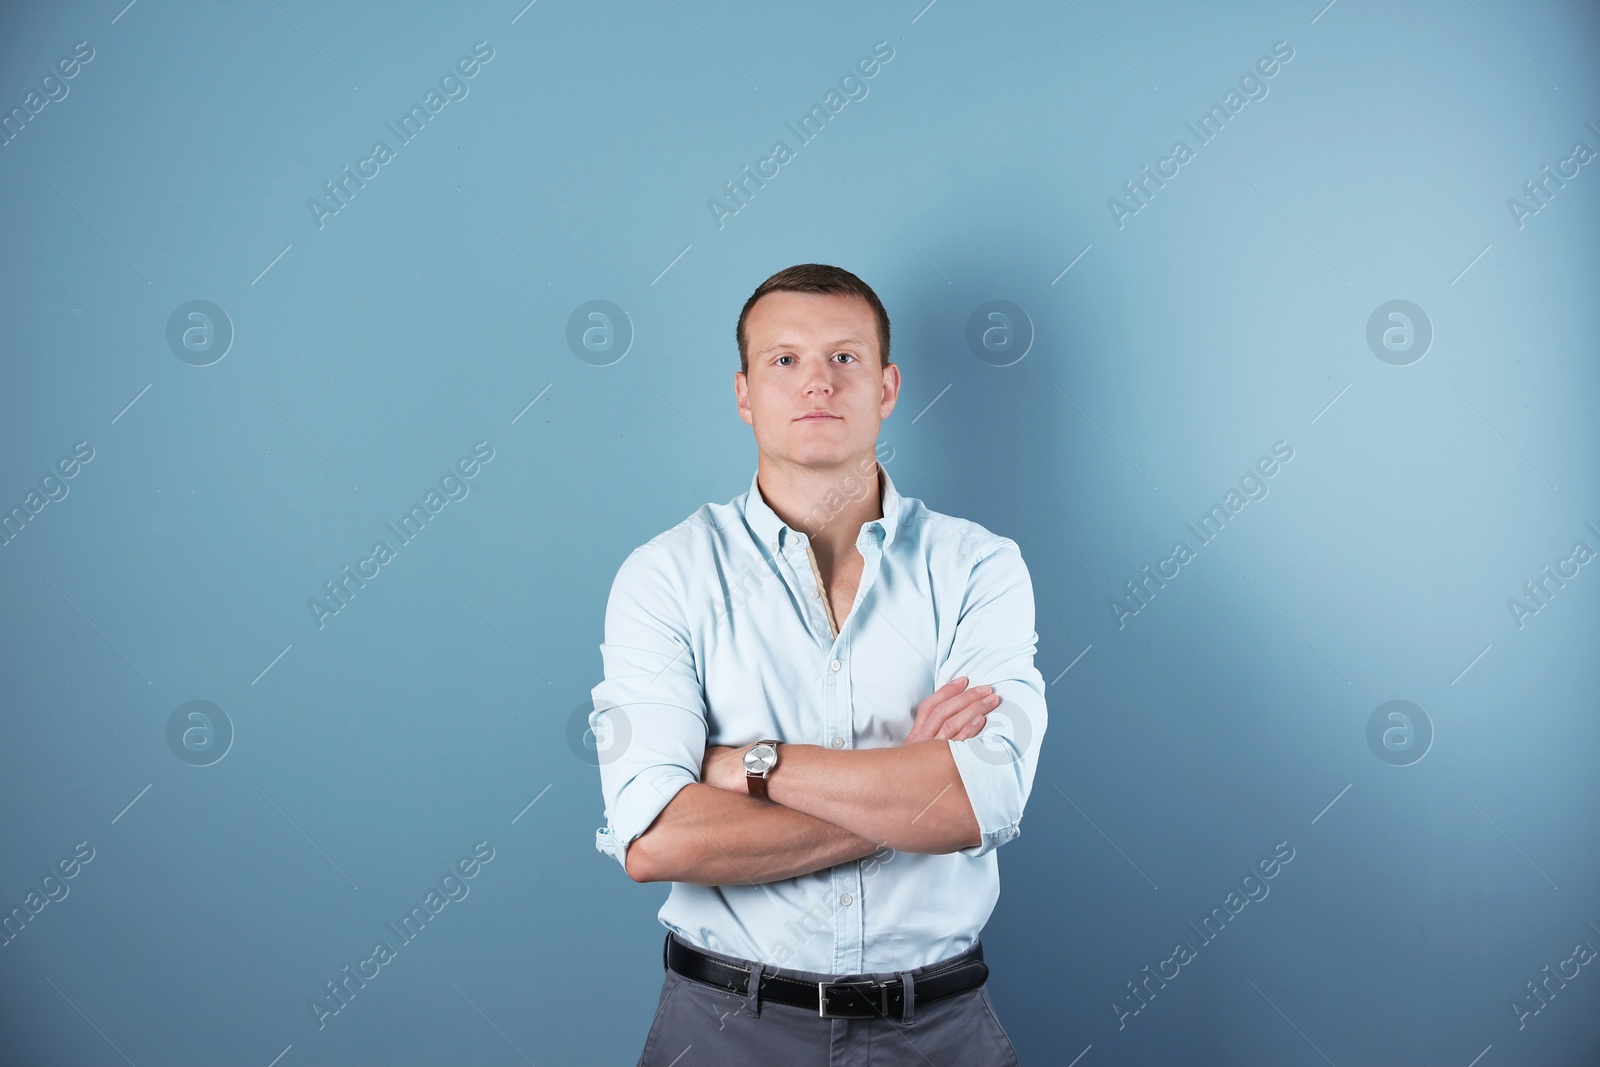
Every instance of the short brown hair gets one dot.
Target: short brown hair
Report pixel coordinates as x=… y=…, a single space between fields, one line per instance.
x=815 y=278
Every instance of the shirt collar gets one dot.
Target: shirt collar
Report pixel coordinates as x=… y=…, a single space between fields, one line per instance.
x=771 y=529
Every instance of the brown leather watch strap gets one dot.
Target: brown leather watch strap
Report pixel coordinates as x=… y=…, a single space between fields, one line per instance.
x=757 y=783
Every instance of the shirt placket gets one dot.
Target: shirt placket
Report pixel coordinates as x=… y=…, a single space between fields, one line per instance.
x=838 y=726
x=838 y=733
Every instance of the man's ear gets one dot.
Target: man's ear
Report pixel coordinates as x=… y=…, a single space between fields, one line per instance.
x=741 y=393
x=891 y=390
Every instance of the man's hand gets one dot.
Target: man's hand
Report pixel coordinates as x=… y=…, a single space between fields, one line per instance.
x=953 y=714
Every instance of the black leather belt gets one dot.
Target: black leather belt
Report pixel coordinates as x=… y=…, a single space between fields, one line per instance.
x=833 y=1000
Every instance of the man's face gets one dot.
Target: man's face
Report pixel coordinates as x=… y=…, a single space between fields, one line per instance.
x=810 y=352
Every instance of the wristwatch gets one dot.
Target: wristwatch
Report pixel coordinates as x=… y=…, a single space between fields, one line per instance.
x=758 y=763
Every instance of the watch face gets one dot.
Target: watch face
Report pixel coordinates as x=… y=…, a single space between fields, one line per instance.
x=760 y=758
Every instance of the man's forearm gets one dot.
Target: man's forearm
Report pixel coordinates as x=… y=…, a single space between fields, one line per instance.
x=711 y=836
x=909 y=796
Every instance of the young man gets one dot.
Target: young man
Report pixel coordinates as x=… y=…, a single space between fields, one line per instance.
x=782 y=748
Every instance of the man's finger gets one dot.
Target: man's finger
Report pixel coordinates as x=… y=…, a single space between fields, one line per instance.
x=958 y=708
x=973 y=711
x=943 y=721
x=956 y=727
x=965 y=731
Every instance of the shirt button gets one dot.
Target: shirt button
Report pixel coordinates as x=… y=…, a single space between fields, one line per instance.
x=774 y=546
x=837 y=742
x=813 y=594
x=834 y=665
x=845 y=900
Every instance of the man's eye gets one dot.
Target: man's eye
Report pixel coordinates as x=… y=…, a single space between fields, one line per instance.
x=780 y=359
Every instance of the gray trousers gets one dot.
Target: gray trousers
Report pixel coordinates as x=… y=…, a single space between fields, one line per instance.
x=698 y=1025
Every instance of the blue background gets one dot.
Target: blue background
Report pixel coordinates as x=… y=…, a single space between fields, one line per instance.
x=366 y=756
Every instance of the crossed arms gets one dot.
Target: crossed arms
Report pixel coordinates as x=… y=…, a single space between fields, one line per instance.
x=679 y=810
x=827 y=807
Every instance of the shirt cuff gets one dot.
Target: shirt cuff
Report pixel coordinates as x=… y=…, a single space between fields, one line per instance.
x=638 y=805
x=992 y=784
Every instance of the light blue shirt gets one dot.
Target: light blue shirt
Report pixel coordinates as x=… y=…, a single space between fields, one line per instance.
x=716 y=633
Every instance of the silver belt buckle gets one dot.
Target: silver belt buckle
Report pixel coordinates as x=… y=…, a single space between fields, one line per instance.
x=822 y=998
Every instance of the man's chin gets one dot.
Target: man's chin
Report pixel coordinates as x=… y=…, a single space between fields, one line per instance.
x=833 y=456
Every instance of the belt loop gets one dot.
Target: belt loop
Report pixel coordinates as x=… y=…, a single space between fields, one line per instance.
x=908 y=988
x=752 y=992
x=664 y=945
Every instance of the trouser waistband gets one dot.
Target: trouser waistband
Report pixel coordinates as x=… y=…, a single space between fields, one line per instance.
x=833 y=996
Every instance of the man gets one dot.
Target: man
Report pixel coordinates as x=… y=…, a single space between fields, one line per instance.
x=781 y=749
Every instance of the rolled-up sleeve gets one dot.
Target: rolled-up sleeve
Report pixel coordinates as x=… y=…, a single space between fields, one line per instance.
x=649 y=716
x=994 y=645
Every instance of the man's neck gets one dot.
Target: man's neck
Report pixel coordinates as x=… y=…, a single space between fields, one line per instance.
x=828 y=505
